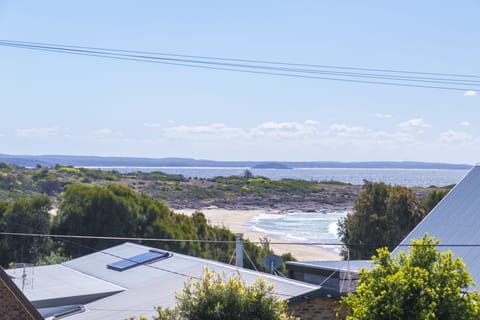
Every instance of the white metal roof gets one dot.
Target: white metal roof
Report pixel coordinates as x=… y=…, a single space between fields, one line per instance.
x=48 y=286
x=455 y=221
x=138 y=289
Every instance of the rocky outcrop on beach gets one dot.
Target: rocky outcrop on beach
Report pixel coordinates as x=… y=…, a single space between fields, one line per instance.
x=334 y=198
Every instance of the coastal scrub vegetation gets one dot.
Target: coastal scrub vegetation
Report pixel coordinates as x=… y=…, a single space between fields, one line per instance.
x=382 y=216
x=176 y=190
x=421 y=284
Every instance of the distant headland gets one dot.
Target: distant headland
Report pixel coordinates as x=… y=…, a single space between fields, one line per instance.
x=98 y=161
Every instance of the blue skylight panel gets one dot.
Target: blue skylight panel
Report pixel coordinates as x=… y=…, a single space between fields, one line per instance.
x=140 y=259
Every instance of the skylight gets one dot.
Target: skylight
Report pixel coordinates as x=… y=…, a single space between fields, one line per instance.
x=147 y=257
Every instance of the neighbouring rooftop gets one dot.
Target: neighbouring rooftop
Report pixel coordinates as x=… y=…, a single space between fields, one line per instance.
x=141 y=278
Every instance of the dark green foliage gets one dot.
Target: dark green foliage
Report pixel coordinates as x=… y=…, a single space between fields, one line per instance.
x=433 y=199
x=382 y=216
x=247 y=174
x=49 y=186
x=24 y=216
x=95 y=211
x=335 y=182
x=157 y=176
x=117 y=211
x=422 y=284
x=54 y=257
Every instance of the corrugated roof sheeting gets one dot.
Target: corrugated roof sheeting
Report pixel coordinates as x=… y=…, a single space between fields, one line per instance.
x=135 y=291
x=455 y=221
x=48 y=286
x=343 y=265
x=154 y=284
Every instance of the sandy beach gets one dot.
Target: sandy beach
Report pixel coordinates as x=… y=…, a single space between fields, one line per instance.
x=235 y=220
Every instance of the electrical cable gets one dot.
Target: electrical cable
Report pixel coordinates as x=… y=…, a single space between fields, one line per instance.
x=108 y=53
x=405 y=81
x=183 y=62
x=244 y=60
x=93 y=250
x=63 y=236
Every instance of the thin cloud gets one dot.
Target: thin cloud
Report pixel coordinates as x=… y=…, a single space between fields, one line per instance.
x=216 y=130
x=455 y=136
x=152 y=125
x=414 y=124
x=470 y=93
x=269 y=129
x=343 y=130
x=383 y=115
x=286 y=130
x=361 y=134
x=465 y=124
x=36 y=132
x=106 y=132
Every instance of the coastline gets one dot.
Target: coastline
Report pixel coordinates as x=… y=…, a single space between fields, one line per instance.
x=236 y=220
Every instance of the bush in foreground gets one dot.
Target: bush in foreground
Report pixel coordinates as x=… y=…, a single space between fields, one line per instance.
x=422 y=284
x=214 y=297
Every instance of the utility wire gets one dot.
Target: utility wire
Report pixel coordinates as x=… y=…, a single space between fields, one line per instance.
x=263 y=67
x=110 y=53
x=139 y=59
x=149 y=265
x=141 y=56
x=244 y=60
x=63 y=236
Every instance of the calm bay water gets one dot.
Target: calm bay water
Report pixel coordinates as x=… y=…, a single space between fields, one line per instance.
x=314 y=227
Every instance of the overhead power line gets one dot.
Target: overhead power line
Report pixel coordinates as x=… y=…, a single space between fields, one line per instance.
x=445 y=81
x=165 y=240
x=239 y=60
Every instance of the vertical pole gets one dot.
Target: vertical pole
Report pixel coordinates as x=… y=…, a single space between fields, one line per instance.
x=24 y=277
x=239 y=249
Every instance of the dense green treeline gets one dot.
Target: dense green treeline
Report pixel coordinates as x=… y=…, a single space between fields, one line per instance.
x=24 y=216
x=382 y=216
x=109 y=211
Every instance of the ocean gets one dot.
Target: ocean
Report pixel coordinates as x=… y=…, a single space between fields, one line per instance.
x=309 y=227
x=314 y=227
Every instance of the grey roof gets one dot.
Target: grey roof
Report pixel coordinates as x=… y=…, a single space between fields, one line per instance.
x=342 y=265
x=17 y=302
x=140 y=288
x=50 y=286
x=455 y=221
x=155 y=284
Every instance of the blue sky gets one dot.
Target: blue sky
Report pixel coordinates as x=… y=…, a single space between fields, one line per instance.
x=62 y=104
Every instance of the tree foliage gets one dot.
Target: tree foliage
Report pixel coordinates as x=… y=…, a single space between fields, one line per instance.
x=422 y=284
x=433 y=199
x=216 y=298
x=24 y=216
x=118 y=211
x=111 y=210
x=382 y=216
